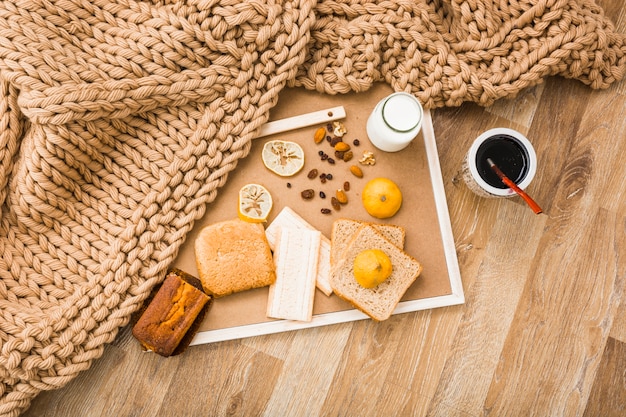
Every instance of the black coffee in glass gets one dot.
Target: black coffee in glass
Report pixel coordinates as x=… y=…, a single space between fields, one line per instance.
x=508 y=154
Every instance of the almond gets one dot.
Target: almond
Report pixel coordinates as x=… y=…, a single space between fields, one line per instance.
x=356 y=171
x=341 y=196
x=342 y=147
x=319 y=135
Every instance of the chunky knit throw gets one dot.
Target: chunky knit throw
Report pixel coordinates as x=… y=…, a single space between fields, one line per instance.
x=120 y=121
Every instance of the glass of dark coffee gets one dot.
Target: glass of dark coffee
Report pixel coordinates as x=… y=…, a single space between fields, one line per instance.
x=511 y=151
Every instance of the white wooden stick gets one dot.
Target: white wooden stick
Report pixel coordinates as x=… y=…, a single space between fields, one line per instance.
x=303 y=120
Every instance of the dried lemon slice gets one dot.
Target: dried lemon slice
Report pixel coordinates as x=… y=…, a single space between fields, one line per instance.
x=283 y=157
x=255 y=203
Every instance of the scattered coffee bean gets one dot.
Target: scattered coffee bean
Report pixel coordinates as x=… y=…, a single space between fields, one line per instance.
x=330 y=160
x=320 y=153
x=356 y=142
x=288 y=185
x=325 y=211
x=322 y=194
x=329 y=176
x=325 y=157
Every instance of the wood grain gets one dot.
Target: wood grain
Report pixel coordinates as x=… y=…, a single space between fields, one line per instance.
x=608 y=395
x=542 y=332
x=489 y=313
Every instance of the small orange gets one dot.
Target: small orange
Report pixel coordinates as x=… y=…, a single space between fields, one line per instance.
x=381 y=198
x=371 y=267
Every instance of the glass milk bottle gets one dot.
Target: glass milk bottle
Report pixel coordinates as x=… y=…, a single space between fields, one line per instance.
x=395 y=122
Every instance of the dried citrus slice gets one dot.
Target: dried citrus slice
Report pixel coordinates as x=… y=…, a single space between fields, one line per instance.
x=255 y=203
x=283 y=157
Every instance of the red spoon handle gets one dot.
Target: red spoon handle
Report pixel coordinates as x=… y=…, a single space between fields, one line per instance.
x=507 y=181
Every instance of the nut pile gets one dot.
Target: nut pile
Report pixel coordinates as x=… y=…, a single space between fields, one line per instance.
x=340 y=150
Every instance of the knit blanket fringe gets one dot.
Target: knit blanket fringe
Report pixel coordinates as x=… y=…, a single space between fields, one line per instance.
x=120 y=120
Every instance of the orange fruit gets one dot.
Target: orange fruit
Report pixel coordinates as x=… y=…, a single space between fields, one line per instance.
x=284 y=158
x=255 y=203
x=371 y=267
x=381 y=198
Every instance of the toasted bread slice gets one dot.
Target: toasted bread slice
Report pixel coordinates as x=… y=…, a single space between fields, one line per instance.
x=378 y=302
x=233 y=256
x=343 y=230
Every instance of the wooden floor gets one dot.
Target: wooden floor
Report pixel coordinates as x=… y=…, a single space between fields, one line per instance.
x=542 y=332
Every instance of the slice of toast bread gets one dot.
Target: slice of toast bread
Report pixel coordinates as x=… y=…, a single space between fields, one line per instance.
x=344 y=229
x=378 y=302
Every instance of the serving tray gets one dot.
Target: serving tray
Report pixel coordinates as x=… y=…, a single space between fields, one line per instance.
x=424 y=215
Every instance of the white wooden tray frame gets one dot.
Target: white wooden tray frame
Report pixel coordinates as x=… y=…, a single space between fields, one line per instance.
x=455 y=297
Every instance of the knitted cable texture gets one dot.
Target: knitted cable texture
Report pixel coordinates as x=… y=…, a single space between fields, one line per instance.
x=120 y=120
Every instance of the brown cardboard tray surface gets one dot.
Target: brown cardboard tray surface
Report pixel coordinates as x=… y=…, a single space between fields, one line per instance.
x=424 y=215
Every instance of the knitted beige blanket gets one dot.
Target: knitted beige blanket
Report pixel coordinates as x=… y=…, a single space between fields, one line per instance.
x=120 y=121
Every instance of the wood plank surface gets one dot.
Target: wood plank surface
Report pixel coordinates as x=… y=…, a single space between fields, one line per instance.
x=542 y=331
